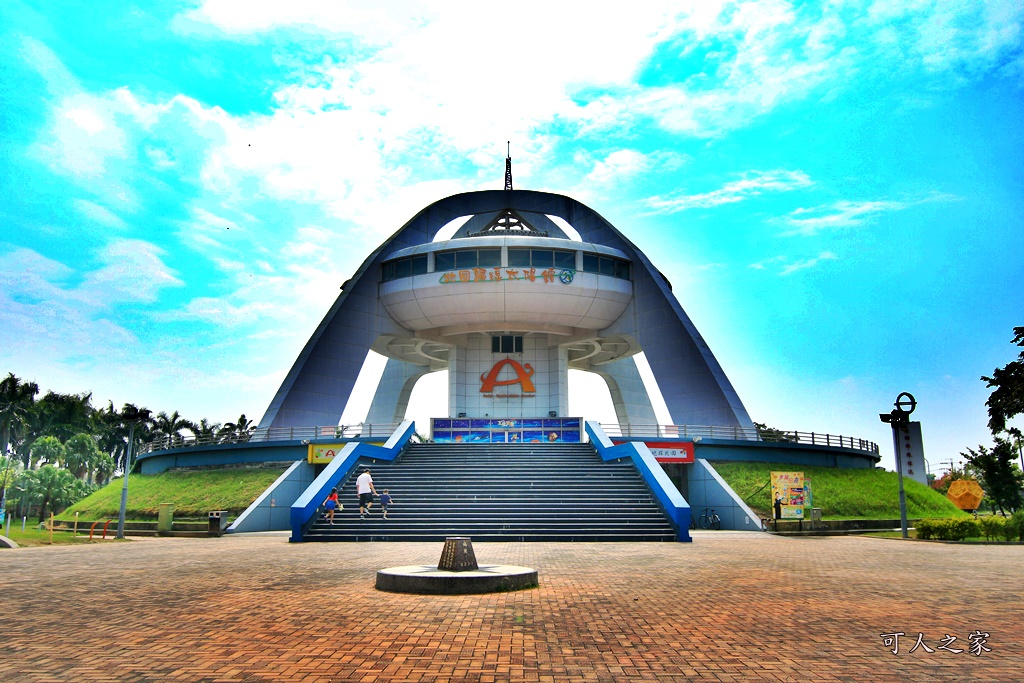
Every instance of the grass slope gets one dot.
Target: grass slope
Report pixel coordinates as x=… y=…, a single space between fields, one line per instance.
x=194 y=494
x=840 y=493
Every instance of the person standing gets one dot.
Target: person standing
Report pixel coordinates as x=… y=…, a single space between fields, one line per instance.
x=331 y=504
x=365 y=491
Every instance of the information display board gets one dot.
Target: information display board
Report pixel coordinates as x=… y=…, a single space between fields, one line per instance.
x=788 y=494
x=506 y=430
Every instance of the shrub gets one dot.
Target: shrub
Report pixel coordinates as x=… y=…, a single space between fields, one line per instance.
x=947 y=529
x=993 y=527
x=1014 y=527
x=926 y=528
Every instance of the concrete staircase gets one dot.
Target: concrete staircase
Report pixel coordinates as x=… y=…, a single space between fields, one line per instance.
x=501 y=492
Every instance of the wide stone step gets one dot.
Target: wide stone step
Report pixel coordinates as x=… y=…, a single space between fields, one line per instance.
x=501 y=493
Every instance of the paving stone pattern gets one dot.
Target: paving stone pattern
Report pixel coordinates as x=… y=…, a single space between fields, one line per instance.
x=731 y=606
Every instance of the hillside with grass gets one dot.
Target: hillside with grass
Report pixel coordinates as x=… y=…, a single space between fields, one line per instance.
x=840 y=493
x=194 y=493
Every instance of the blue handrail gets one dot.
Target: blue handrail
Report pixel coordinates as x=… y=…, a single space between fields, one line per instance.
x=306 y=505
x=666 y=493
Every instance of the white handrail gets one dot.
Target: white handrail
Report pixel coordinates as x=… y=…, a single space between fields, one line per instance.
x=736 y=433
x=327 y=433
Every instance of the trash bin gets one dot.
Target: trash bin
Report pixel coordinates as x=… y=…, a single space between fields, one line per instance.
x=218 y=522
x=165 y=519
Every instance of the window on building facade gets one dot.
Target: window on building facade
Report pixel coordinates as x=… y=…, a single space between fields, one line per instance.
x=507 y=343
x=606 y=265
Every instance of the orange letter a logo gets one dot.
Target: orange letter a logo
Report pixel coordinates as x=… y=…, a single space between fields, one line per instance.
x=523 y=374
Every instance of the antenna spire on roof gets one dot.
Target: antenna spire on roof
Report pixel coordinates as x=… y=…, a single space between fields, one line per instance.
x=508 y=167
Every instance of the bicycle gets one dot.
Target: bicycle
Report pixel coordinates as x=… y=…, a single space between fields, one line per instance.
x=712 y=521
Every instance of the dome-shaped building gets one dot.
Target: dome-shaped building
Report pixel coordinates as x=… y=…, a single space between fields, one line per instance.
x=512 y=289
x=508 y=290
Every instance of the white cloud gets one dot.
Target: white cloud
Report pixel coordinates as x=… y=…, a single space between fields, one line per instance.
x=782 y=266
x=619 y=165
x=841 y=214
x=376 y=22
x=46 y=317
x=848 y=214
x=100 y=214
x=808 y=263
x=765 y=263
x=132 y=271
x=753 y=184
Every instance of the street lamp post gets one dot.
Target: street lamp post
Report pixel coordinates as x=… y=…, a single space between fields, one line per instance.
x=124 y=485
x=3 y=497
x=898 y=418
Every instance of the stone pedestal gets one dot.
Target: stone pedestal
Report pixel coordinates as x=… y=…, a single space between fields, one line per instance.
x=456 y=573
x=458 y=555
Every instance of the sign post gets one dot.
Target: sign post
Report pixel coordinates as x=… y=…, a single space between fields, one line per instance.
x=899 y=419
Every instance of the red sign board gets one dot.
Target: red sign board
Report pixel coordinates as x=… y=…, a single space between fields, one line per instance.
x=669 y=451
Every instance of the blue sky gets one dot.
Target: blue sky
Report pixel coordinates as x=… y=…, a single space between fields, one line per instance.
x=834 y=190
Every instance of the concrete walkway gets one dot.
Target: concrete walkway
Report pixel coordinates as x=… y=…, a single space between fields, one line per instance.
x=731 y=606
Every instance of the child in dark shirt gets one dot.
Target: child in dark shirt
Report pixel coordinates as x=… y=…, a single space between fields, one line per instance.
x=385 y=501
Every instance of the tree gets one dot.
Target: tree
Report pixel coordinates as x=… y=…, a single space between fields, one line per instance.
x=766 y=433
x=137 y=423
x=237 y=431
x=10 y=470
x=47 y=450
x=52 y=488
x=1007 y=399
x=16 y=399
x=82 y=454
x=62 y=415
x=999 y=474
x=206 y=431
x=168 y=428
x=942 y=483
x=102 y=469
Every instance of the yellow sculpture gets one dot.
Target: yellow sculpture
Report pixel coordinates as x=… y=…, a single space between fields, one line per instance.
x=966 y=494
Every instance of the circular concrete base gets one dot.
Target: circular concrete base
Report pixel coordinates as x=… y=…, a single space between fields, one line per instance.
x=426 y=580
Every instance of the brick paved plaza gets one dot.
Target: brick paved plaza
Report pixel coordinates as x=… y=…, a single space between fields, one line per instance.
x=731 y=606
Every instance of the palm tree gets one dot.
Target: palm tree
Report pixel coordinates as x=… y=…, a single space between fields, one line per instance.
x=10 y=470
x=16 y=400
x=102 y=468
x=240 y=430
x=47 y=450
x=169 y=427
x=82 y=454
x=52 y=487
x=138 y=424
x=62 y=415
x=112 y=432
x=206 y=431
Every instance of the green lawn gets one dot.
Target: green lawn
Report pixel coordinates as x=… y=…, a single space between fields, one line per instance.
x=840 y=493
x=32 y=536
x=194 y=494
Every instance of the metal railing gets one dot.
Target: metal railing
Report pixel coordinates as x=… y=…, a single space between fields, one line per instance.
x=737 y=434
x=362 y=430
x=368 y=430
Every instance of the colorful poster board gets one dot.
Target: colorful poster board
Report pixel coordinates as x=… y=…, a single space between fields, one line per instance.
x=323 y=453
x=506 y=430
x=788 y=494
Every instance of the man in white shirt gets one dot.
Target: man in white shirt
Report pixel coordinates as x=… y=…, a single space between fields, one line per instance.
x=365 y=491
